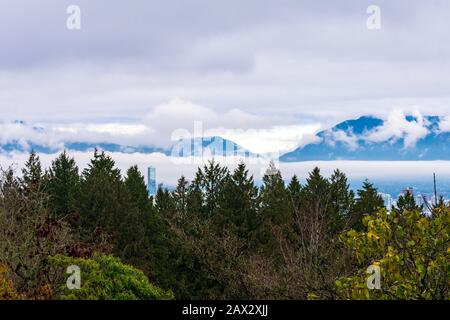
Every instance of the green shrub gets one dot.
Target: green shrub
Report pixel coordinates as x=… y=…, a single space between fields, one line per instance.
x=412 y=251
x=7 y=291
x=107 y=278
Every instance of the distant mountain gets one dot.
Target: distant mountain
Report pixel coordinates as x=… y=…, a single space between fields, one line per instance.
x=215 y=146
x=27 y=146
x=368 y=138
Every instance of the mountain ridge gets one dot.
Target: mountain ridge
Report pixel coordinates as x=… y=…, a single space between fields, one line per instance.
x=357 y=140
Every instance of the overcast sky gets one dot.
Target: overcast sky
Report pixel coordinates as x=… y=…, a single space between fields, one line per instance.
x=262 y=72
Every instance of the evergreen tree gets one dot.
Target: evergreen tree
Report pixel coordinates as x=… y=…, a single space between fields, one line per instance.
x=103 y=199
x=195 y=203
x=10 y=185
x=210 y=182
x=132 y=227
x=276 y=218
x=317 y=195
x=238 y=205
x=368 y=202
x=137 y=190
x=407 y=202
x=313 y=219
x=274 y=198
x=32 y=174
x=63 y=185
x=295 y=192
x=164 y=202
x=180 y=196
x=342 y=201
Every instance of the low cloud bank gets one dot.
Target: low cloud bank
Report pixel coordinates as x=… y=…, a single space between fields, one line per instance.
x=169 y=170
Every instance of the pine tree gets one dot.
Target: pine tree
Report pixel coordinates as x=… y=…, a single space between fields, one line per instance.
x=103 y=197
x=210 y=182
x=237 y=211
x=63 y=185
x=164 y=202
x=295 y=192
x=317 y=195
x=32 y=174
x=274 y=197
x=180 y=196
x=317 y=186
x=137 y=190
x=368 y=202
x=274 y=212
x=133 y=244
x=407 y=202
x=342 y=201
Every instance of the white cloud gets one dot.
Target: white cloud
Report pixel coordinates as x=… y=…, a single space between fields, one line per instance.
x=444 y=125
x=179 y=114
x=303 y=60
x=347 y=137
x=397 y=126
x=276 y=139
x=169 y=171
x=258 y=134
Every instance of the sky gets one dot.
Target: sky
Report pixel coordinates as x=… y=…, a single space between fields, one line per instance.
x=267 y=74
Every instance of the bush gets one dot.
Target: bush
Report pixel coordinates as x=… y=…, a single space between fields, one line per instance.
x=412 y=251
x=107 y=278
x=7 y=291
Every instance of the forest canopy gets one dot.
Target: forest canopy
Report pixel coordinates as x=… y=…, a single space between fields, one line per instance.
x=218 y=235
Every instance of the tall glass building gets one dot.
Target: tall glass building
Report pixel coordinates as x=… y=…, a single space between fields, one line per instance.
x=151 y=181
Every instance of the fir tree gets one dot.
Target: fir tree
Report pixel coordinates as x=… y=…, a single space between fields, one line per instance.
x=276 y=218
x=103 y=196
x=132 y=244
x=368 y=202
x=180 y=196
x=342 y=201
x=32 y=174
x=317 y=195
x=210 y=182
x=63 y=185
x=238 y=205
x=295 y=192
x=274 y=197
x=407 y=202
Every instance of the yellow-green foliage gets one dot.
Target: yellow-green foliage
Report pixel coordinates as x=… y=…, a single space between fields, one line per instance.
x=107 y=278
x=412 y=251
x=7 y=291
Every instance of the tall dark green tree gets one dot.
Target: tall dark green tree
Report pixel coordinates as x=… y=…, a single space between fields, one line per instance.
x=210 y=181
x=131 y=228
x=295 y=192
x=407 y=202
x=180 y=196
x=103 y=199
x=274 y=212
x=164 y=202
x=63 y=185
x=238 y=203
x=317 y=186
x=368 y=202
x=137 y=190
x=342 y=201
x=32 y=174
x=317 y=194
x=274 y=198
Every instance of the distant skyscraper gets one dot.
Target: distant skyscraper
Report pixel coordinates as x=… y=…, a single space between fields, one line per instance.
x=151 y=181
